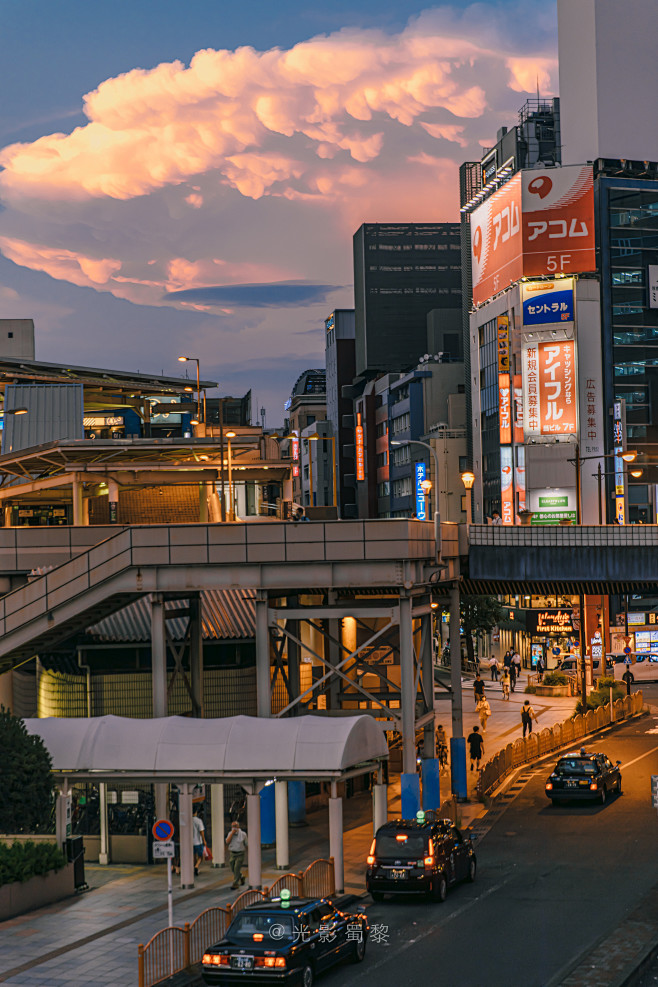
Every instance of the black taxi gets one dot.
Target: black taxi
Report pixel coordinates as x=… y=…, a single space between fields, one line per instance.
x=285 y=940
x=583 y=775
x=419 y=856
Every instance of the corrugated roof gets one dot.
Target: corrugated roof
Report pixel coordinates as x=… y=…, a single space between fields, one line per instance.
x=226 y=614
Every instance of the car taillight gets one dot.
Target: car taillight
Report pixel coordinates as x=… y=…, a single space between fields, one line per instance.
x=370 y=860
x=593 y=786
x=213 y=959
x=270 y=962
x=429 y=861
x=549 y=785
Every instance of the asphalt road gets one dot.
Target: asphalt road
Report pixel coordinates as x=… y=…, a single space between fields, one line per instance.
x=551 y=881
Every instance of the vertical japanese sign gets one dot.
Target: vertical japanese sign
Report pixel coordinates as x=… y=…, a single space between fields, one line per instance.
x=505 y=408
x=506 y=485
x=295 y=454
x=618 y=439
x=360 y=453
x=421 y=472
x=518 y=409
x=502 y=324
x=550 y=389
x=519 y=476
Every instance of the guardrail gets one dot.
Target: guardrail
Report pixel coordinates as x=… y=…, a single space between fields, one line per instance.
x=174 y=949
x=529 y=748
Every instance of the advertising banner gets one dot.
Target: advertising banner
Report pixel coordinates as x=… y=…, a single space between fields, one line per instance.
x=549 y=622
x=360 y=453
x=518 y=408
x=552 y=506
x=503 y=344
x=550 y=388
x=547 y=302
x=506 y=485
x=504 y=409
x=539 y=223
x=519 y=476
x=619 y=442
x=421 y=473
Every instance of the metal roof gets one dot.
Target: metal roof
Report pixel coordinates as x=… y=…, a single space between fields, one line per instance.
x=54 y=411
x=225 y=614
x=239 y=747
x=36 y=370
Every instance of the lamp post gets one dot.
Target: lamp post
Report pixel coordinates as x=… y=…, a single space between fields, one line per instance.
x=628 y=456
x=635 y=473
x=468 y=479
x=327 y=438
x=437 y=519
x=186 y=359
x=231 y=513
x=426 y=487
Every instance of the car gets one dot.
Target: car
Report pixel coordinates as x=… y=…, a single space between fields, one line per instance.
x=583 y=775
x=419 y=856
x=285 y=940
x=571 y=665
x=643 y=665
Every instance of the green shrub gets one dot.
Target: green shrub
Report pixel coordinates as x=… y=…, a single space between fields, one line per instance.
x=24 y=859
x=555 y=678
x=530 y=688
x=601 y=695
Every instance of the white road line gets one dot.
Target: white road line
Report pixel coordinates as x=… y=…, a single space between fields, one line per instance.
x=432 y=930
x=635 y=760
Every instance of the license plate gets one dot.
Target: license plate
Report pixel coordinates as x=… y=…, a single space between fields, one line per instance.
x=399 y=875
x=242 y=962
x=571 y=784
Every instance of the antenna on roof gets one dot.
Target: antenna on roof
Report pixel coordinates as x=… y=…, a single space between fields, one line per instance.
x=538 y=87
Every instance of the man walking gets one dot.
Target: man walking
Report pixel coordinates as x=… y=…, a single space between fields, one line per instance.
x=493 y=665
x=198 y=838
x=527 y=716
x=475 y=746
x=628 y=678
x=236 y=841
x=478 y=689
x=516 y=661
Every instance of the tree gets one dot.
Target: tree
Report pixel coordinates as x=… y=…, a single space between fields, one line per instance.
x=26 y=781
x=479 y=614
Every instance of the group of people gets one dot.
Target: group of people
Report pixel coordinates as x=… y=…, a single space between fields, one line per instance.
x=236 y=844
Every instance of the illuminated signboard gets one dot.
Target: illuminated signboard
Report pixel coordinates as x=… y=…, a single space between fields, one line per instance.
x=421 y=473
x=537 y=224
x=618 y=438
x=549 y=388
x=360 y=454
x=518 y=408
x=519 y=475
x=503 y=344
x=505 y=409
x=547 y=302
x=549 y=622
x=295 y=453
x=506 y=485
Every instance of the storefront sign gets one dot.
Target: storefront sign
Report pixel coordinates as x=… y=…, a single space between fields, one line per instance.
x=547 y=302
x=518 y=409
x=549 y=622
x=550 y=390
x=519 y=476
x=360 y=454
x=552 y=506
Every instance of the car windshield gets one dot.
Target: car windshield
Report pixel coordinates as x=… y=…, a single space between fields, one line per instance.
x=273 y=927
x=401 y=845
x=576 y=766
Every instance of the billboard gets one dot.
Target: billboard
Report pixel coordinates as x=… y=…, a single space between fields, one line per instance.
x=502 y=324
x=505 y=409
x=518 y=409
x=421 y=473
x=360 y=451
x=506 y=485
x=549 y=388
x=538 y=223
x=547 y=302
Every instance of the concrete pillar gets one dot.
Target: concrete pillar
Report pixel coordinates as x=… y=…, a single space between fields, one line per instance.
x=267 y=816
x=7 y=517
x=263 y=671
x=336 y=836
x=379 y=806
x=457 y=742
x=281 y=814
x=217 y=833
x=63 y=814
x=253 y=834
x=104 y=852
x=113 y=500
x=186 y=836
x=203 y=504
x=76 y=491
x=196 y=652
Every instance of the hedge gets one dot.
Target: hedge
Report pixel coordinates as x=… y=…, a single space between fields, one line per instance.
x=24 y=859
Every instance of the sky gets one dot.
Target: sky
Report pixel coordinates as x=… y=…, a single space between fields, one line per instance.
x=185 y=179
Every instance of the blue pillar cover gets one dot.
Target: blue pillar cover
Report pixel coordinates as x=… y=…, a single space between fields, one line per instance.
x=296 y=803
x=431 y=783
x=458 y=767
x=410 y=795
x=267 y=816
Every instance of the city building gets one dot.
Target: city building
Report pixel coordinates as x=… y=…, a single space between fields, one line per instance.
x=319 y=482
x=341 y=369
x=306 y=405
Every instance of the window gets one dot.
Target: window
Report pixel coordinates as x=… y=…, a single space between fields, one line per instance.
x=383 y=489
x=463 y=464
x=382 y=459
x=402 y=487
x=382 y=429
x=401 y=424
x=401 y=455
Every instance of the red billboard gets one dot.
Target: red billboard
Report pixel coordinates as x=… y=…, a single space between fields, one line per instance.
x=549 y=378
x=504 y=409
x=540 y=222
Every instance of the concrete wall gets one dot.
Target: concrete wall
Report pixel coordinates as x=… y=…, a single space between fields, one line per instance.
x=15 y=899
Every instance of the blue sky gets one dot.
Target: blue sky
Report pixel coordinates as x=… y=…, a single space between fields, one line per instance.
x=207 y=204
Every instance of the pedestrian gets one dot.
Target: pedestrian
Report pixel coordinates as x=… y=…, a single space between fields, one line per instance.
x=516 y=661
x=484 y=712
x=237 y=842
x=478 y=689
x=493 y=665
x=512 y=676
x=628 y=678
x=475 y=746
x=441 y=746
x=527 y=716
x=541 y=668
x=507 y=658
x=496 y=518
x=198 y=838
x=505 y=682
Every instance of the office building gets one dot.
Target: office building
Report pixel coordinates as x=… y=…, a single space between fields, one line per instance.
x=340 y=367
x=306 y=405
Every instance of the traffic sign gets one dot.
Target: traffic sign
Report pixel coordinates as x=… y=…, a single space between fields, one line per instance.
x=163 y=829
x=163 y=850
x=627 y=650
x=556 y=651
x=627 y=661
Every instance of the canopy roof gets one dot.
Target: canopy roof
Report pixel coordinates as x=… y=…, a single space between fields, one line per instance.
x=178 y=748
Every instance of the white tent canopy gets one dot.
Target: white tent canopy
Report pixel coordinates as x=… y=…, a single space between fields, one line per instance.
x=178 y=748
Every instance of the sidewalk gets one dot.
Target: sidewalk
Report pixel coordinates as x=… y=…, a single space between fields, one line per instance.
x=91 y=940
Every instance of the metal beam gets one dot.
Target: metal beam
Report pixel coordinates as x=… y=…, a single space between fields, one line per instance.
x=331 y=613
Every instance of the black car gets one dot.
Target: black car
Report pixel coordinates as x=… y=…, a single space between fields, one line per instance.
x=419 y=857
x=582 y=775
x=285 y=940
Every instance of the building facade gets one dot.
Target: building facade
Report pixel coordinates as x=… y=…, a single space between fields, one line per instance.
x=341 y=369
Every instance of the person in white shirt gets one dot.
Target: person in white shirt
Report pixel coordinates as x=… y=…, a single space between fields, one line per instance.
x=237 y=843
x=198 y=839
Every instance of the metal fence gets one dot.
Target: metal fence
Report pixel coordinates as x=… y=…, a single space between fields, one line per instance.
x=174 y=949
x=529 y=748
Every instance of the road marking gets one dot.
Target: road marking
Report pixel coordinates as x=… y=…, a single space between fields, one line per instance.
x=635 y=760
x=432 y=930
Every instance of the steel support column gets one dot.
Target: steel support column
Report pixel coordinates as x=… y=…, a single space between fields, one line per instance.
x=281 y=812
x=253 y=834
x=186 y=836
x=336 y=836
x=263 y=673
x=104 y=851
x=409 y=781
x=196 y=653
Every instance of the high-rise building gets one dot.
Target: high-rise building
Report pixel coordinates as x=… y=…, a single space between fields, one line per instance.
x=340 y=365
x=306 y=405
x=401 y=272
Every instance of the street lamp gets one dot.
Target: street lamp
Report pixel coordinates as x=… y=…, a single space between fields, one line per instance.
x=437 y=519
x=635 y=473
x=628 y=456
x=327 y=438
x=468 y=479
x=231 y=513
x=426 y=486
x=194 y=359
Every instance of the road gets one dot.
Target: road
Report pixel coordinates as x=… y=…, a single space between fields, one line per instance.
x=551 y=881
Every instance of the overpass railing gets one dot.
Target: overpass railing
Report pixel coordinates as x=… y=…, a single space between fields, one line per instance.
x=527 y=749
x=563 y=536
x=175 y=949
